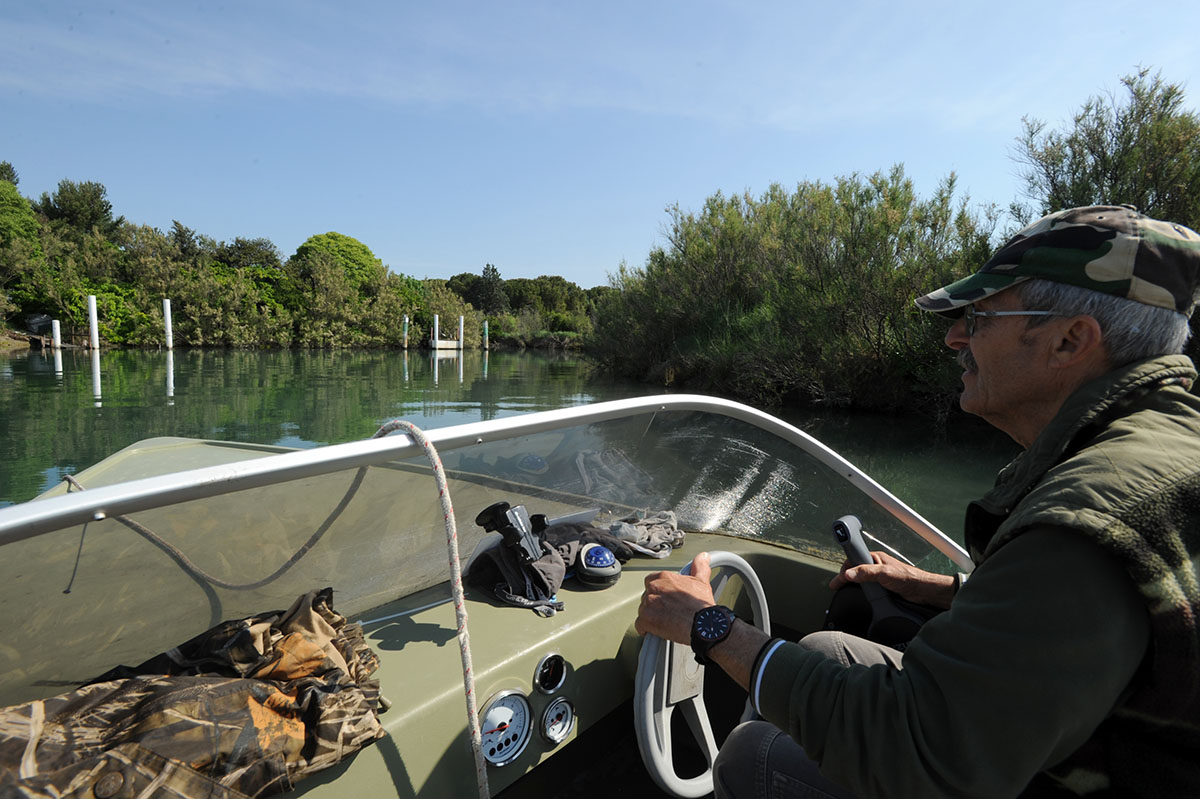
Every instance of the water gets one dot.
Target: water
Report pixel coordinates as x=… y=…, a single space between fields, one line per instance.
x=59 y=417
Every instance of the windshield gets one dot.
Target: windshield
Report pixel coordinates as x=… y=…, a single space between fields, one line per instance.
x=83 y=598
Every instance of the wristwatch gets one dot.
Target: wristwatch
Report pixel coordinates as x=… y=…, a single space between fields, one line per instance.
x=710 y=626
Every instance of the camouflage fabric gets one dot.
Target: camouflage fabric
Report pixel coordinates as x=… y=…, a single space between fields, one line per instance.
x=244 y=709
x=1110 y=249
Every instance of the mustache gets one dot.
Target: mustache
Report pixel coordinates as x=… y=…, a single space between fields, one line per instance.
x=966 y=360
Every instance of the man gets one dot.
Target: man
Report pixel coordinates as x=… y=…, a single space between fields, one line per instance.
x=1069 y=663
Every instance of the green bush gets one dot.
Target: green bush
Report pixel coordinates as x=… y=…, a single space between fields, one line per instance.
x=804 y=295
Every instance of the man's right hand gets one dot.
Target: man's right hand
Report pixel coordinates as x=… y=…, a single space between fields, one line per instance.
x=909 y=582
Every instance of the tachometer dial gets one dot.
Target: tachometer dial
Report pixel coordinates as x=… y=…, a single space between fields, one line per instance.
x=506 y=727
x=558 y=720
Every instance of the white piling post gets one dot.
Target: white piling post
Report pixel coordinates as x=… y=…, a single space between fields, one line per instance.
x=167 y=324
x=485 y=335
x=56 y=334
x=435 y=335
x=95 y=327
x=406 y=332
x=460 y=332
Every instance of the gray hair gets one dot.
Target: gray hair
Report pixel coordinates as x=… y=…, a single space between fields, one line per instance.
x=1132 y=330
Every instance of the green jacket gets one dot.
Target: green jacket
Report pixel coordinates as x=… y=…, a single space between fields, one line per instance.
x=1121 y=464
x=1044 y=659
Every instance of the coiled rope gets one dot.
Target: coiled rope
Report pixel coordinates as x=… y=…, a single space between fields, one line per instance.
x=456 y=587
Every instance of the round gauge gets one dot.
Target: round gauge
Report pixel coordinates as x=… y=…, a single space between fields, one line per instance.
x=506 y=724
x=551 y=673
x=558 y=720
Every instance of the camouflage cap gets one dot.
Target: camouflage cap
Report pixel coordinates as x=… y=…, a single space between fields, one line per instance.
x=1108 y=248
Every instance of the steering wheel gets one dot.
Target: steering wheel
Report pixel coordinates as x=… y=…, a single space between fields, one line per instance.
x=668 y=677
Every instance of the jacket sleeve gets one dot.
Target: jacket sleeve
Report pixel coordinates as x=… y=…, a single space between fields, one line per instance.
x=1036 y=650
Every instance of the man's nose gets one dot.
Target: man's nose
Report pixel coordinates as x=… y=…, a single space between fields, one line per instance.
x=956 y=336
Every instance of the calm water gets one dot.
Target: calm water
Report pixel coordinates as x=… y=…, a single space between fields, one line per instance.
x=58 y=418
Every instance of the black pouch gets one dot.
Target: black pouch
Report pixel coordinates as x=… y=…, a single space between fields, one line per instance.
x=530 y=584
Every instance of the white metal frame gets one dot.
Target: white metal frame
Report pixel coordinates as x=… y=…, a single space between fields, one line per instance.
x=36 y=518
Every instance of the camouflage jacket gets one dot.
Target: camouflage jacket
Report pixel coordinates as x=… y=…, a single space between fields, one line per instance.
x=244 y=709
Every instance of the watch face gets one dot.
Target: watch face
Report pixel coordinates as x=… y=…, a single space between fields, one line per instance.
x=712 y=624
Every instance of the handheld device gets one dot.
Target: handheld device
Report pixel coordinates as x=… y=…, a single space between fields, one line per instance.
x=515 y=527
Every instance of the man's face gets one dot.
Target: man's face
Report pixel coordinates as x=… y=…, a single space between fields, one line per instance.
x=1004 y=377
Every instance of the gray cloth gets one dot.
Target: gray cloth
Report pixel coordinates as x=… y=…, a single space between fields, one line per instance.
x=654 y=535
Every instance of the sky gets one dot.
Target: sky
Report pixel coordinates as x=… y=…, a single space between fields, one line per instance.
x=546 y=138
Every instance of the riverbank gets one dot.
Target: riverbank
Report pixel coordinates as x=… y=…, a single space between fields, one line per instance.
x=12 y=340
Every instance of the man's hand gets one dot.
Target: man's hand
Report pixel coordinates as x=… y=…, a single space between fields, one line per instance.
x=671 y=600
x=911 y=583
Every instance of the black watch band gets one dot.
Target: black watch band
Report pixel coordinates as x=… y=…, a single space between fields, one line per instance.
x=710 y=626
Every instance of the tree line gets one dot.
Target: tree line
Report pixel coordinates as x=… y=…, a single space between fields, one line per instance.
x=332 y=292
x=799 y=294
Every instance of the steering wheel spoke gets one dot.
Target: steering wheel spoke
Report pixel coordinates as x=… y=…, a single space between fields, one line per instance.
x=697 y=719
x=669 y=677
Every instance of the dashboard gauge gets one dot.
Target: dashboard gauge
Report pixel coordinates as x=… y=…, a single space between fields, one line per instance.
x=506 y=725
x=558 y=720
x=550 y=674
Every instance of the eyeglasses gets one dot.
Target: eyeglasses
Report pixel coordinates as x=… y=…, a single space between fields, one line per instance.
x=970 y=314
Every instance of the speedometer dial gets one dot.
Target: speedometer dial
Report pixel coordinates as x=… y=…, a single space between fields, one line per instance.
x=506 y=726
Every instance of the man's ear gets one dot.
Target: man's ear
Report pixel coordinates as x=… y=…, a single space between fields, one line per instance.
x=1080 y=342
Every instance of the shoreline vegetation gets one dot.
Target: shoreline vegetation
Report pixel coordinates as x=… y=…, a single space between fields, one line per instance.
x=794 y=296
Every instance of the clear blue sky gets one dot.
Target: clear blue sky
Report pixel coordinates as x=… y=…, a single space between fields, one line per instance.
x=545 y=138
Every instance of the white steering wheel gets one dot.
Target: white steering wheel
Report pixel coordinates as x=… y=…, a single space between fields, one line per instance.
x=668 y=676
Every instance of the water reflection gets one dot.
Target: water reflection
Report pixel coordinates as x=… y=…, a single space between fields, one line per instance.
x=96 y=376
x=64 y=411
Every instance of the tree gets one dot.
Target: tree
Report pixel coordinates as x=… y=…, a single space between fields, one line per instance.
x=1142 y=149
x=7 y=172
x=17 y=220
x=20 y=247
x=81 y=207
x=492 y=299
x=360 y=265
x=466 y=285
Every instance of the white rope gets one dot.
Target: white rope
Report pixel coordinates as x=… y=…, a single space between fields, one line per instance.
x=456 y=588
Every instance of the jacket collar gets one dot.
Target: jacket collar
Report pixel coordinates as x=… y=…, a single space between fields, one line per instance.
x=1088 y=410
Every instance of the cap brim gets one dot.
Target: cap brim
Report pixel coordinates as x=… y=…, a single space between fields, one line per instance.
x=950 y=300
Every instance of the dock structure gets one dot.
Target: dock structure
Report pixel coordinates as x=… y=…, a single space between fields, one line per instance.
x=437 y=343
